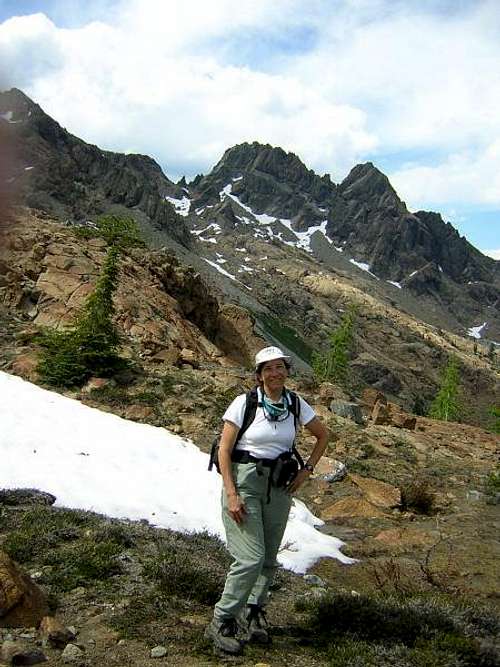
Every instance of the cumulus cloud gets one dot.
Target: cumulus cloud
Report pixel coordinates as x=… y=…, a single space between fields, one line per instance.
x=153 y=82
x=463 y=178
x=373 y=78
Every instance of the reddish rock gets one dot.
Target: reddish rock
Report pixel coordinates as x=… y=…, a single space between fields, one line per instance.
x=370 y=396
x=53 y=631
x=380 y=414
x=22 y=602
x=377 y=492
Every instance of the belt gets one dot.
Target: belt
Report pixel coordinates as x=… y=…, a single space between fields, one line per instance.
x=241 y=456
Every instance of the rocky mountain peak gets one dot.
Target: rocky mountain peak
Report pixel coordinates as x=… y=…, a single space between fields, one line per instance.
x=267 y=159
x=371 y=186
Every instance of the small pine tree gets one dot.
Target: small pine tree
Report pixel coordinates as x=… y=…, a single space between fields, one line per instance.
x=115 y=230
x=495 y=422
x=334 y=364
x=90 y=348
x=446 y=405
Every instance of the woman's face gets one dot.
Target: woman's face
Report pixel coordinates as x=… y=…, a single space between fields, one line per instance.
x=273 y=374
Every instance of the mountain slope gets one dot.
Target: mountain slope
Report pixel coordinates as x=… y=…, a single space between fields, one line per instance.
x=287 y=280
x=55 y=171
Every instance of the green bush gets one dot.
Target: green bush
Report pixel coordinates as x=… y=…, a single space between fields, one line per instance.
x=82 y=563
x=492 y=485
x=42 y=529
x=494 y=413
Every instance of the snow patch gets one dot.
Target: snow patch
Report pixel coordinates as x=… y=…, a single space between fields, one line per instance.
x=398 y=285
x=363 y=267
x=181 y=206
x=476 y=332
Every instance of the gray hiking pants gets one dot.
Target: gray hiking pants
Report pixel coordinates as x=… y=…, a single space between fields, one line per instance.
x=254 y=543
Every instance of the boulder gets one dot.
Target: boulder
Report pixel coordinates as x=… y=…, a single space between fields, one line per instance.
x=25 y=365
x=390 y=414
x=330 y=470
x=347 y=410
x=15 y=497
x=329 y=392
x=189 y=357
x=54 y=632
x=378 y=493
x=97 y=383
x=22 y=602
x=380 y=414
x=370 y=396
x=19 y=653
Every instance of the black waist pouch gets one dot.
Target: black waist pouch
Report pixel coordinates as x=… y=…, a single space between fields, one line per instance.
x=284 y=470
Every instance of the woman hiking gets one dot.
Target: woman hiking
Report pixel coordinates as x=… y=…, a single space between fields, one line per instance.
x=258 y=482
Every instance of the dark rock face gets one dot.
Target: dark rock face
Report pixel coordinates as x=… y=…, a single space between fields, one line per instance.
x=187 y=287
x=56 y=172
x=268 y=180
x=371 y=221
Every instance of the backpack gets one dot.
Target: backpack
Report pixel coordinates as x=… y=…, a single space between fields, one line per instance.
x=252 y=402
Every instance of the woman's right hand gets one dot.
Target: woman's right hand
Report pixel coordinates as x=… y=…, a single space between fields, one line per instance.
x=236 y=508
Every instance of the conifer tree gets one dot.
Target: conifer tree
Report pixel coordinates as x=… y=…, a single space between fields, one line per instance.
x=446 y=404
x=91 y=346
x=334 y=364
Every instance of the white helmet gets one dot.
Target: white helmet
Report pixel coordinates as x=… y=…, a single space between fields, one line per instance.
x=269 y=354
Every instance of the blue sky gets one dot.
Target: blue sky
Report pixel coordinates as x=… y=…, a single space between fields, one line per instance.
x=411 y=85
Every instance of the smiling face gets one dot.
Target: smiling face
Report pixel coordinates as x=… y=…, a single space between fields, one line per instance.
x=273 y=374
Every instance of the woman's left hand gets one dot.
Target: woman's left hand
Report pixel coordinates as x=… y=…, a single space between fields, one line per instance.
x=295 y=485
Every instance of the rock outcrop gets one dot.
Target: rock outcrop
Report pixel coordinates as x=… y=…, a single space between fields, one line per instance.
x=22 y=602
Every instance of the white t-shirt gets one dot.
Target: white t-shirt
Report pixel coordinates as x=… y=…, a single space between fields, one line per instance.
x=266 y=439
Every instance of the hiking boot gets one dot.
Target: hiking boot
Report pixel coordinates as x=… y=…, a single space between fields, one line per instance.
x=223 y=635
x=257 y=625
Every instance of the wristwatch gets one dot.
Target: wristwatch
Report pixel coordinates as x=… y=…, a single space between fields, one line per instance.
x=309 y=467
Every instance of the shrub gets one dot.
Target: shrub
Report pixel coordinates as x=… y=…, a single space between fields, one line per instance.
x=190 y=568
x=82 y=563
x=42 y=529
x=392 y=630
x=417 y=497
x=494 y=412
x=492 y=484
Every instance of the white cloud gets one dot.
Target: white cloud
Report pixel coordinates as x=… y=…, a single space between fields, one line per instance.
x=462 y=178
x=492 y=253
x=378 y=78
x=153 y=83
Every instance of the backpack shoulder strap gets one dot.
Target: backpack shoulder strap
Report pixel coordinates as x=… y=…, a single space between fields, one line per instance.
x=294 y=408
x=252 y=400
